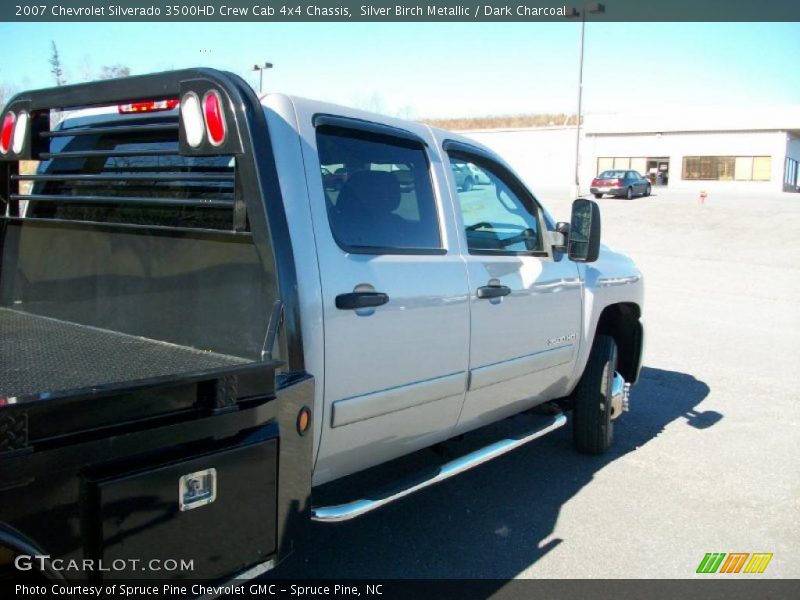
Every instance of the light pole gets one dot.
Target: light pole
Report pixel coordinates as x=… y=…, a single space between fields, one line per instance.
x=261 y=69
x=594 y=8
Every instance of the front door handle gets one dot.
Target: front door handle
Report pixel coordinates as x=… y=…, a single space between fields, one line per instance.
x=493 y=291
x=356 y=300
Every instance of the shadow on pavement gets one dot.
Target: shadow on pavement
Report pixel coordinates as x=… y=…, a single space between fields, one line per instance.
x=490 y=522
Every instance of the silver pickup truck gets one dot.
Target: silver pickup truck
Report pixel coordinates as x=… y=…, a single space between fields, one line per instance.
x=213 y=304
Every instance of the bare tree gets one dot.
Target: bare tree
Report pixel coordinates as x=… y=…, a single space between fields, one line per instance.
x=55 y=65
x=406 y=112
x=373 y=103
x=6 y=93
x=114 y=71
x=86 y=69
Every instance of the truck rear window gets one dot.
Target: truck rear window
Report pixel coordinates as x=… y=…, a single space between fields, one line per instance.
x=129 y=171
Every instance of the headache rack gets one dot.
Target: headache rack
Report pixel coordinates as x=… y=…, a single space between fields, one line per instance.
x=151 y=185
x=105 y=165
x=112 y=171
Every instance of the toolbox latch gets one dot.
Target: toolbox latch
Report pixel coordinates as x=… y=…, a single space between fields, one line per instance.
x=197 y=489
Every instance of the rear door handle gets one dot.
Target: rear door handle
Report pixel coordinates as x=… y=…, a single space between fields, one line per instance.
x=355 y=300
x=493 y=291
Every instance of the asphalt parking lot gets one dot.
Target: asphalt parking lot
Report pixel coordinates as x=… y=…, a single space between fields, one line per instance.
x=706 y=461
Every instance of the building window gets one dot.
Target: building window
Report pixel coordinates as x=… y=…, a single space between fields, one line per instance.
x=727 y=168
x=609 y=163
x=656 y=169
x=743 y=171
x=622 y=162
x=762 y=166
x=605 y=164
x=790 y=176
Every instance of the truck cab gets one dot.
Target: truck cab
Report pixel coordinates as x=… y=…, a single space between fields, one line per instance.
x=472 y=309
x=232 y=304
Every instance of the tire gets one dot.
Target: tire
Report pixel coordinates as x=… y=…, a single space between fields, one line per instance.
x=629 y=193
x=592 y=428
x=598 y=196
x=648 y=190
x=468 y=184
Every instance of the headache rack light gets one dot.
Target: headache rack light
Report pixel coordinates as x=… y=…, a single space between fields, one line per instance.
x=7 y=132
x=148 y=106
x=214 y=117
x=13 y=132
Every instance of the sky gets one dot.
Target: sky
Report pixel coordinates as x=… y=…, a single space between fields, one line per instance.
x=419 y=70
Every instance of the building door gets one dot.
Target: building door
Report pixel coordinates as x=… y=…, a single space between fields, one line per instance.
x=658 y=171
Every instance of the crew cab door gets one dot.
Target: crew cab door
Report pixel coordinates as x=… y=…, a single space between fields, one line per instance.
x=525 y=305
x=396 y=317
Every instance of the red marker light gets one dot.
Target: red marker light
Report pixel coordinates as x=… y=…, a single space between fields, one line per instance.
x=214 y=117
x=7 y=132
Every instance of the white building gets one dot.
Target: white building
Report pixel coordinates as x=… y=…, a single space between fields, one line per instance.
x=724 y=151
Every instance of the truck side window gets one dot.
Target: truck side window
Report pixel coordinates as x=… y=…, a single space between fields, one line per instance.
x=378 y=193
x=496 y=218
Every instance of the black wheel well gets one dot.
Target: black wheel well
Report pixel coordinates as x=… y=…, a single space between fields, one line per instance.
x=621 y=322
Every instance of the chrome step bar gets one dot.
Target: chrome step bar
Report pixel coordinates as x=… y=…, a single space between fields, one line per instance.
x=356 y=508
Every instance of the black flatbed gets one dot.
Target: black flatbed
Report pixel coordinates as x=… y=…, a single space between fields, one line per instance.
x=41 y=355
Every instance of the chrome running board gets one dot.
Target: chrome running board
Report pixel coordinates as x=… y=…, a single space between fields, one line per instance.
x=356 y=508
